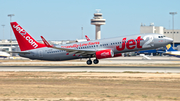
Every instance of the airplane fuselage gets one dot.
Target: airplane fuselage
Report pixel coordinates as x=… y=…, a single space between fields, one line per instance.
x=117 y=45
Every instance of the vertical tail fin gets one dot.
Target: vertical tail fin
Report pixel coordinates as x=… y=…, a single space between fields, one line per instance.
x=169 y=48
x=87 y=38
x=25 y=41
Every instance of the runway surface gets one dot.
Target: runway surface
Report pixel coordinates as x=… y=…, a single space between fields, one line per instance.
x=92 y=69
x=119 y=64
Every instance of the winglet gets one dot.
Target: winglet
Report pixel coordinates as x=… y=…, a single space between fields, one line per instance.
x=45 y=42
x=87 y=38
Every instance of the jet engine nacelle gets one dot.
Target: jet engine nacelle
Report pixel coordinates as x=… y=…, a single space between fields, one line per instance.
x=108 y=53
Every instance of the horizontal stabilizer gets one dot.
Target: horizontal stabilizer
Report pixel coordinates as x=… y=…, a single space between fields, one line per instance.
x=19 y=52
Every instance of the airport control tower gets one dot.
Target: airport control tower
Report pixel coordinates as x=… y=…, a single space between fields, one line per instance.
x=98 y=21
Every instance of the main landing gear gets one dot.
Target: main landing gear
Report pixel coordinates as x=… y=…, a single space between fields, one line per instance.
x=89 y=62
x=96 y=61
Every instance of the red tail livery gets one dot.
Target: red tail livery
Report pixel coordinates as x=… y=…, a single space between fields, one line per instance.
x=87 y=38
x=25 y=41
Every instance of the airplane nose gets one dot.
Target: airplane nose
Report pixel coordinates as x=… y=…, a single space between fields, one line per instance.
x=169 y=40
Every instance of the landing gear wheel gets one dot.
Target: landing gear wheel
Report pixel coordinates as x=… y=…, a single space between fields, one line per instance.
x=89 y=62
x=96 y=61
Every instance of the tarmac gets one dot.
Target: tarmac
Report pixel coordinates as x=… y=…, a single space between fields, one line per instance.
x=124 y=69
x=109 y=61
x=119 y=64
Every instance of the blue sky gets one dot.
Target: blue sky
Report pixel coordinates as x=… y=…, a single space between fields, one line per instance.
x=63 y=19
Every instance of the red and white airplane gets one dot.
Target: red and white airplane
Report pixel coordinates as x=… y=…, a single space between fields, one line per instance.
x=100 y=49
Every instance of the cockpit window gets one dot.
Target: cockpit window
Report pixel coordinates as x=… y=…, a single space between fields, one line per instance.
x=161 y=36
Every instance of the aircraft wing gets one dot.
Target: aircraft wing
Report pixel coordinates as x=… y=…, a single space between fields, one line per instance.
x=75 y=50
x=71 y=51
